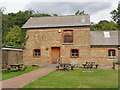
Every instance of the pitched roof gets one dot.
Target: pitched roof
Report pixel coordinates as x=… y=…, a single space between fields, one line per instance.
x=57 y=21
x=105 y=38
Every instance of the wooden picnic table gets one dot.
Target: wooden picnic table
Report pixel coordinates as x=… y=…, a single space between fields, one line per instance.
x=64 y=66
x=16 y=67
x=90 y=65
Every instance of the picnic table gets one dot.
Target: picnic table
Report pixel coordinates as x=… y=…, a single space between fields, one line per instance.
x=90 y=65
x=64 y=66
x=16 y=67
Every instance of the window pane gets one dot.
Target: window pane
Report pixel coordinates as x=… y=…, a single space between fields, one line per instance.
x=68 y=36
x=37 y=52
x=111 y=53
x=74 y=53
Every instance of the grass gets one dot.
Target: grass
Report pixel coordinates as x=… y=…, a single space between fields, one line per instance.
x=77 y=79
x=6 y=74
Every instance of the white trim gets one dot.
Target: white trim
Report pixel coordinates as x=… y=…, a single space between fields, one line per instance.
x=12 y=49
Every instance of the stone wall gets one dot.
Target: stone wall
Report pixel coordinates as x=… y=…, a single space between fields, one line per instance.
x=44 y=39
x=97 y=55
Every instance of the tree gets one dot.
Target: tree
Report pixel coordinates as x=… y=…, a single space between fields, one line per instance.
x=18 y=19
x=116 y=15
x=14 y=36
x=2 y=9
x=104 y=25
x=55 y=14
x=80 y=13
x=40 y=15
x=10 y=19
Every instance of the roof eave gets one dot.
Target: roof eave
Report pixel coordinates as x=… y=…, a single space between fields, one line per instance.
x=56 y=27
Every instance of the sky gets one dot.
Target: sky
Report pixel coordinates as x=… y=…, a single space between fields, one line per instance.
x=98 y=9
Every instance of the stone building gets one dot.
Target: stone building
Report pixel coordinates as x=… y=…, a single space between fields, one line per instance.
x=68 y=39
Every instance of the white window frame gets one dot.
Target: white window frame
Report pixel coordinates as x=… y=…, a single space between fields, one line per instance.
x=111 y=53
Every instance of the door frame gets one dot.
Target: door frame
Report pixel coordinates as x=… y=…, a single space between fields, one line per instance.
x=51 y=53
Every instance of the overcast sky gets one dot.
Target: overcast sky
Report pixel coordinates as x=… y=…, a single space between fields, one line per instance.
x=98 y=9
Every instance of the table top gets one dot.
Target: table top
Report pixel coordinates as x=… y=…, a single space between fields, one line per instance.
x=16 y=65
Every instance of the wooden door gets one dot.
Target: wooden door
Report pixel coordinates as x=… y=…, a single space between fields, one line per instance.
x=55 y=54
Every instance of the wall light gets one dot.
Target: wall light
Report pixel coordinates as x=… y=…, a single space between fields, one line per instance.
x=59 y=31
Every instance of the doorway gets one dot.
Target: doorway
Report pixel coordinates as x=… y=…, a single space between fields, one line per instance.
x=55 y=55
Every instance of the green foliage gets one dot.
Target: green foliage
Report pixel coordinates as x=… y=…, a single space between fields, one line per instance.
x=104 y=25
x=55 y=14
x=116 y=16
x=80 y=13
x=10 y=19
x=13 y=37
x=40 y=15
x=23 y=38
x=18 y=19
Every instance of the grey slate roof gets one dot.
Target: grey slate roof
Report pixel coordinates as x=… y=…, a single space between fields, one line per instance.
x=97 y=38
x=57 y=21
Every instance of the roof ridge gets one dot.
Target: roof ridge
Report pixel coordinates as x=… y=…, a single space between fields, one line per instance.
x=60 y=16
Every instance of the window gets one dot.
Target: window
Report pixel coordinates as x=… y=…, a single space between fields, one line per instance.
x=68 y=36
x=111 y=53
x=36 y=52
x=74 y=53
x=106 y=34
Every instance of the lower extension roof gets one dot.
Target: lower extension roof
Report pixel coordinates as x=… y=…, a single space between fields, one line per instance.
x=105 y=38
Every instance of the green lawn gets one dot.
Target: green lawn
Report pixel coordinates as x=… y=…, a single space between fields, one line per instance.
x=77 y=79
x=7 y=74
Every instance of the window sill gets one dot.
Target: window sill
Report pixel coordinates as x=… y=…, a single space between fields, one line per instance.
x=74 y=57
x=67 y=43
x=112 y=57
x=36 y=56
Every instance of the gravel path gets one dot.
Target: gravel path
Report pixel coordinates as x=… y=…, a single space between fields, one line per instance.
x=24 y=79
